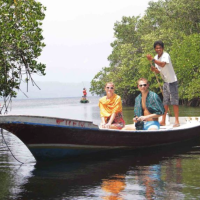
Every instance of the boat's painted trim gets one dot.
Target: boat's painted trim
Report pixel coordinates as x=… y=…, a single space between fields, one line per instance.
x=51 y=125
x=72 y=146
x=48 y=153
x=168 y=129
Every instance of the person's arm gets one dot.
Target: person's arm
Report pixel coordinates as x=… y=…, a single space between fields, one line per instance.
x=103 y=123
x=144 y=118
x=157 y=62
x=156 y=107
x=154 y=69
x=112 y=117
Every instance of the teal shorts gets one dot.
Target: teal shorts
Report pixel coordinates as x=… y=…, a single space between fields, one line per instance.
x=151 y=124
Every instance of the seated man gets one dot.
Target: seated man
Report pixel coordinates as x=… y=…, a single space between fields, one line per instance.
x=148 y=107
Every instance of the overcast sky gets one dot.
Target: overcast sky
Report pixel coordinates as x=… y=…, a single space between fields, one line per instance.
x=78 y=34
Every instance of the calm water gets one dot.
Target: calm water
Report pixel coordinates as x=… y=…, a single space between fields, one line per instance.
x=171 y=172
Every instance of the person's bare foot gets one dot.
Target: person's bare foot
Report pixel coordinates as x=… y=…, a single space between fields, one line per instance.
x=162 y=123
x=176 y=122
x=176 y=125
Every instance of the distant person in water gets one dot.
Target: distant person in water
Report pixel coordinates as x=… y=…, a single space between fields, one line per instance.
x=148 y=107
x=111 y=109
x=84 y=92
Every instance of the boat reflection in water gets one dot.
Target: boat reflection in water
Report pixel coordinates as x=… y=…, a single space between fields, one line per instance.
x=155 y=173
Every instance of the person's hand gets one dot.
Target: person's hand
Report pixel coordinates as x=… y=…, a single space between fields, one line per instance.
x=135 y=119
x=142 y=118
x=103 y=125
x=149 y=57
x=107 y=125
x=153 y=68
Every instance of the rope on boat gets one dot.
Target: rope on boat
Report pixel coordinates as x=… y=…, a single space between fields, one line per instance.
x=9 y=148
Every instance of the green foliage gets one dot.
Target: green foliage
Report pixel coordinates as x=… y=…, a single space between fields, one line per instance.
x=20 y=43
x=185 y=55
x=176 y=23
x=99 y=81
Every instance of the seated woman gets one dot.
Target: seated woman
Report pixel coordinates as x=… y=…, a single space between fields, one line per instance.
x=111 y=109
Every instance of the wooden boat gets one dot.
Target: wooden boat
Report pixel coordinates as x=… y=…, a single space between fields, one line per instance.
x=84 y=101
x=51 y=137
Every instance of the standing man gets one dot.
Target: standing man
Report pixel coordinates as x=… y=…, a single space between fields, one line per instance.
x=84 y=92
x=163 y=65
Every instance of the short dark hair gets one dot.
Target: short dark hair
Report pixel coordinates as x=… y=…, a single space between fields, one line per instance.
x=159 y=42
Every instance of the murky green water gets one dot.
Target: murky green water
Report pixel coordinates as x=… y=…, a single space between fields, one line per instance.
x=170 y=172
x=183 y=111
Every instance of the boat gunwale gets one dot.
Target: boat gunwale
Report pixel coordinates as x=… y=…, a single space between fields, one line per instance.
x=170 y=129
x=48 y=117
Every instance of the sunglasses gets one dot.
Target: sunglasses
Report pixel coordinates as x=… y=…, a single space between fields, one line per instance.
x=110 y=88
x=143 y=85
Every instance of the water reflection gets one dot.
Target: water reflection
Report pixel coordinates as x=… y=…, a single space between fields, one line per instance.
x=144 y=174
x=160 y=173
x=13 y=175
x=114 y=187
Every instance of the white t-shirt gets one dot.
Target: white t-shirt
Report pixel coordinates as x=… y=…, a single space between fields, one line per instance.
x=166 y=72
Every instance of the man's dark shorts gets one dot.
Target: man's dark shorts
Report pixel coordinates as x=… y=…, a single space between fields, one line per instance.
x=170 y=93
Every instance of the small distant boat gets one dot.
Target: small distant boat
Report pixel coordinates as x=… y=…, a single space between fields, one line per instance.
x=84 y=100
